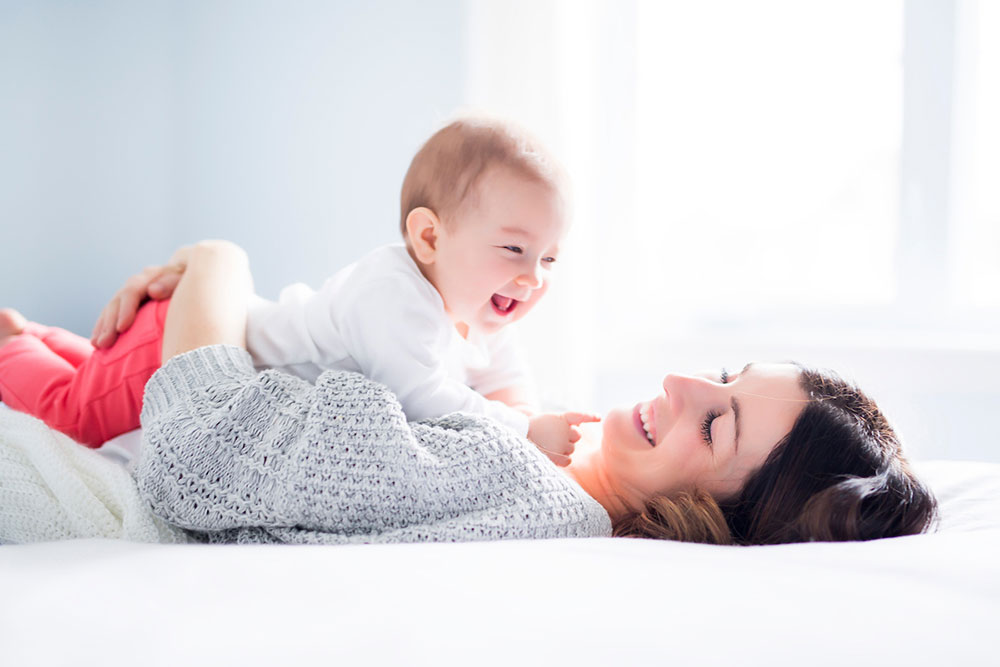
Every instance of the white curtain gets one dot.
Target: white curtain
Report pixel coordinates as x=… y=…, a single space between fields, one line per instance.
x=975 y=212
x=774 y=179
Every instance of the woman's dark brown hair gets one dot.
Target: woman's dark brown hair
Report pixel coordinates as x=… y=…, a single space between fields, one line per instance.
x=838 y=475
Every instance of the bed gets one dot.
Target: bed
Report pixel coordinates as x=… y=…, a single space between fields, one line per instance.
x=930 y=599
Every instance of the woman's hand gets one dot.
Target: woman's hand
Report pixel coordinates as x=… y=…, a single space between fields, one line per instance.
x=153 y=282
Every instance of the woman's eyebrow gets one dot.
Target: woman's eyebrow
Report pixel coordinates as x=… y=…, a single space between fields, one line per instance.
x=736 y=418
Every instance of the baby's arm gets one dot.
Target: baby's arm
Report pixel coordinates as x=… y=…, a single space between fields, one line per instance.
x=518 y=397
x=508 y=379
x=397 y=334
x=553 y=433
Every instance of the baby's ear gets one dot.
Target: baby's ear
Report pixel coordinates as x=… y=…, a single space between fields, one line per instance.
x=422 y=229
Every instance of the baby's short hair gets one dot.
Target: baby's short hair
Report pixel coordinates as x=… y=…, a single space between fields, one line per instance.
x=445 y=171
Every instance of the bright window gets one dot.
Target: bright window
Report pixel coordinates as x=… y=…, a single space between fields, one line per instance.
x=767 y=161
x=976 y=158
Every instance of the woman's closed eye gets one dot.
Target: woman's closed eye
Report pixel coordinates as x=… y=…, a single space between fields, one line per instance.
x=706 y=426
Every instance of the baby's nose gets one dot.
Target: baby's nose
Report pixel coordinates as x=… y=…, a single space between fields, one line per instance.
x=531 y=279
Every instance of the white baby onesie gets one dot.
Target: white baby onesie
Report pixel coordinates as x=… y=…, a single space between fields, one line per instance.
x=381 y=317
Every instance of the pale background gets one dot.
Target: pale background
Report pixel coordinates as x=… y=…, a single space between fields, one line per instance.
x=817 y=181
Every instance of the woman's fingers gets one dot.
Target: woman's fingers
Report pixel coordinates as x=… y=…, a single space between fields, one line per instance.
x=153 y=282
x=165 y=282
x=95 y=334
x=128 y=304
x=104 y=331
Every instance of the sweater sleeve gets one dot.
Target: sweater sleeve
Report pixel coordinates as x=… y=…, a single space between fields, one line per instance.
x=227 y=448
x=208 y=420
x=507 y=367
x=235 y=455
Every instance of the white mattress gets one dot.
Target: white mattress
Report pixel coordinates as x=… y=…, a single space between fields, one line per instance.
x=926 y=600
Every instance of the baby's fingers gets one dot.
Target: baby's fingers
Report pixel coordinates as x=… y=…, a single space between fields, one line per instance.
x=577 y=418
x=558 y=454
x=566 y=448
x=560 y=460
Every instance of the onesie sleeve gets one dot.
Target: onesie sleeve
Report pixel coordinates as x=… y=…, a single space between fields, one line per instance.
x=297 y=328
x=398 y=337
x=507 y=367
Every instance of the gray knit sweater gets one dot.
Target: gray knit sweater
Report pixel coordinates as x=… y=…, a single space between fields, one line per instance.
x=238 y=456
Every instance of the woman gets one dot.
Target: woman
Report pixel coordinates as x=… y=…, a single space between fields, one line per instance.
x=774 y=453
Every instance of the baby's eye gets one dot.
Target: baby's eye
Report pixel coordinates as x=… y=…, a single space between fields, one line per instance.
x=549 y=260
x=516 y=249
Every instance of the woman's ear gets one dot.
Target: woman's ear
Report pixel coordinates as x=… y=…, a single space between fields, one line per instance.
x=422 y=229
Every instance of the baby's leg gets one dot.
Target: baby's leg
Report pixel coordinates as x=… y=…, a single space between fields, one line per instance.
x=74 y=349
x=92 y=396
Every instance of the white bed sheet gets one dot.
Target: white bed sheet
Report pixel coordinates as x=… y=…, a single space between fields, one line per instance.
x=924 y=600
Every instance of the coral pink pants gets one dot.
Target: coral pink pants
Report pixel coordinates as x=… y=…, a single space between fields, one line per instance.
x=90 y=395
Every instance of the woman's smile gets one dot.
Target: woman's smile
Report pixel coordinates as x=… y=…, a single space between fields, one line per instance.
x=647 y=417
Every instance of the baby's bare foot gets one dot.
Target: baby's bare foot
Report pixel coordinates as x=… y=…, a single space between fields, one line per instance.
x=11 y=324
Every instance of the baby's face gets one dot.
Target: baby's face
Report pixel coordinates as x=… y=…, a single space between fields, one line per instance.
x=493 y=259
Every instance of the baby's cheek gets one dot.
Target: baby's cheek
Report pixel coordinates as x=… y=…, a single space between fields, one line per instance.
x=525 y=306
x=537 y=295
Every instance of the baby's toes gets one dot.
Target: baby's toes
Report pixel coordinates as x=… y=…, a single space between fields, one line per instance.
x=11 y=322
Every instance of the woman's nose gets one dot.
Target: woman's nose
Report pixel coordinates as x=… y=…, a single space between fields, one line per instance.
x=674 y=381
x=681 y=388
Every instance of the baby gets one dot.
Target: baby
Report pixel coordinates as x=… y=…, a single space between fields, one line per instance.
x=482 y=216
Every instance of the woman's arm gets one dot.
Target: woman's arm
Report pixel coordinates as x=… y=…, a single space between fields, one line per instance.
x=209 y=305
x=221 y=271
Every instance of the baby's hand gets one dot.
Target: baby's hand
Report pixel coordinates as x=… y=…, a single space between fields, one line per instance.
x=556 y=434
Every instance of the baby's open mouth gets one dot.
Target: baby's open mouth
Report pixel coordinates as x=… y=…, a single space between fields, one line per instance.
x=503 y=305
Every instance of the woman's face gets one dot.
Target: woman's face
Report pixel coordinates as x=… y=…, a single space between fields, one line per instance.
x=709 y=430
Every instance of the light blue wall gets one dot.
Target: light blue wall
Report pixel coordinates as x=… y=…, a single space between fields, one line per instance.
x=128 y=128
